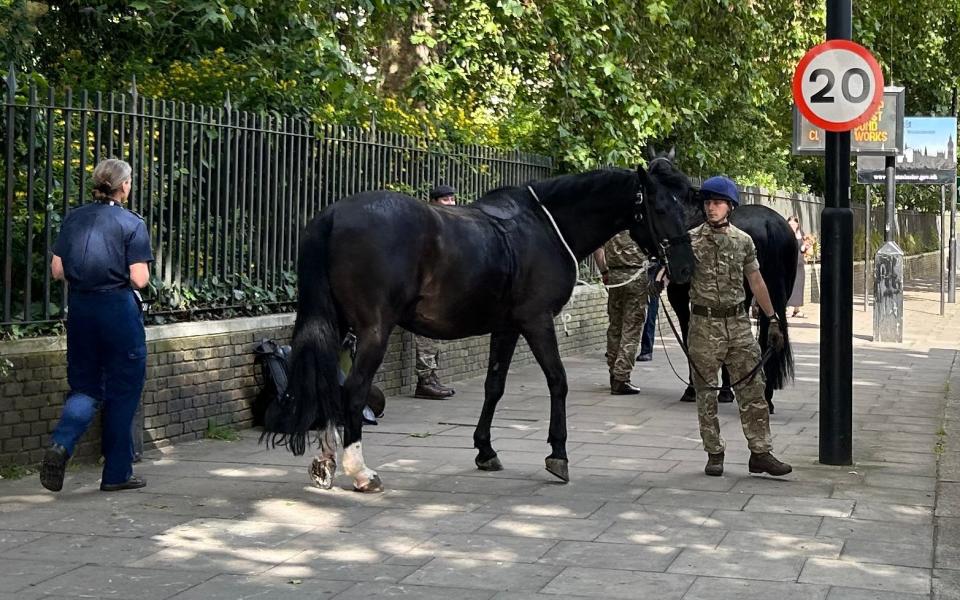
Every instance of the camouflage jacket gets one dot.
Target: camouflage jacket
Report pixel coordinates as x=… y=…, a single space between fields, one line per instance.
x=623 y=257
x=723 y=258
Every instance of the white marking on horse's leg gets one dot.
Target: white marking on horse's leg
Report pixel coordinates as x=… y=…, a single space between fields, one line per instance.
x=323 y=469
x=353 y=465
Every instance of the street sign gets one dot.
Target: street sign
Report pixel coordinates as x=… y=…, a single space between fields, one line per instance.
x=881 y=134
x=929 y=154
x=838 y=85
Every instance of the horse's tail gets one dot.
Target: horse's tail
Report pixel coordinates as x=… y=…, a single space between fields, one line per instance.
x=779 y=368
x=312 y=400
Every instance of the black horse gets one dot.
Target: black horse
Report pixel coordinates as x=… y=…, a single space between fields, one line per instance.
x=777 y=253
x=504 y=265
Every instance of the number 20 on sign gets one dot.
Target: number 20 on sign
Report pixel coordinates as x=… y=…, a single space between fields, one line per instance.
x=838 y=85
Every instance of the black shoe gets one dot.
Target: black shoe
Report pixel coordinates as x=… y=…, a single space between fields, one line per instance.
x=53 y=467
x=726 y=396
x=623 y=388
x=645 y=357
x=135 y=482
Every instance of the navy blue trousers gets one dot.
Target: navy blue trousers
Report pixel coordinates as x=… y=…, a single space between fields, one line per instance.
x=106 y=368
x=646 y=340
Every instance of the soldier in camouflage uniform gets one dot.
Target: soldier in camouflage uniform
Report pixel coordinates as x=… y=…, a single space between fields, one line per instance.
x=428 y=350
x=720 y=329
x=620 y=260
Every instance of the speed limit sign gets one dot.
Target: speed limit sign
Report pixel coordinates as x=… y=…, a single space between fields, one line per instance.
x=838 y=85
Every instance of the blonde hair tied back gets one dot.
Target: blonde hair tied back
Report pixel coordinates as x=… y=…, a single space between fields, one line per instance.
x=109 y=176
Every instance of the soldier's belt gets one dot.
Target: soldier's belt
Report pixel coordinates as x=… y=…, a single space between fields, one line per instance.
x=722 y=312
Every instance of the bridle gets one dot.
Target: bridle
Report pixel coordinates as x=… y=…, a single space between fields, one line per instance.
x=642 y=216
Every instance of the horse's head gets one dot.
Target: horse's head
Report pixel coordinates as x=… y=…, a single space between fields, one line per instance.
x=660 y=224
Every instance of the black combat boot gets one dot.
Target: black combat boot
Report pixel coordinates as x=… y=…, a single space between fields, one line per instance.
x=714 y=466
x=765 y=462
x=53 y=467
x=449 y=391
x=429 y=388
x=623 y=388
x=726 y=396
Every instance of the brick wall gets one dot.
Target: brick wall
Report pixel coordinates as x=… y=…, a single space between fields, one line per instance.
x=204 y=372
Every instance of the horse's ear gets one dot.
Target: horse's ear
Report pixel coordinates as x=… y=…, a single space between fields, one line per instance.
x=651 y=153
x=642 y=174
x=672 y=154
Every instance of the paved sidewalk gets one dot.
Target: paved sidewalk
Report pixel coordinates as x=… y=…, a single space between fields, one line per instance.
x=638 y=520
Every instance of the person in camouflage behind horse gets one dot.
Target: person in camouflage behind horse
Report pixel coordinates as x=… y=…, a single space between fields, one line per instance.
x=720 y=329
x=428 y=350
x=624 y=269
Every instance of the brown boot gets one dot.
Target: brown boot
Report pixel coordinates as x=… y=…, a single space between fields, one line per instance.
x=623 y=388
x=430 y=389
x=765 y=462
x=436 y=383
x=714 y=466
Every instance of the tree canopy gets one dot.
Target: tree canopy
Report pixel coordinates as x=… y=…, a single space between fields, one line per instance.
x=587 y=81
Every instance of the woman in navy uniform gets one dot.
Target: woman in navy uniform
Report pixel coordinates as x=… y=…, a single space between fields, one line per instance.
x=103 y=252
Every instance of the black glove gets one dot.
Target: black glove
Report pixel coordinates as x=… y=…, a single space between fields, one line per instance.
x=655 y=287
x=775 y=335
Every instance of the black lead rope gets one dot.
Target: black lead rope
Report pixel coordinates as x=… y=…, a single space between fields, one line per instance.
x=745 y=379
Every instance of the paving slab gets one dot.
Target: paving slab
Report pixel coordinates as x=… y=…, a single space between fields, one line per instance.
x=871 y=576
x=122 y=582
x=946 y=584
x=718 y=562
x=243 y=587
x=608 y=583
x=611 y=556
x=481 y=574
x=720 y=588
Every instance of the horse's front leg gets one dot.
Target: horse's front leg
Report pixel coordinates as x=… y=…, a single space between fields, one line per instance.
x=542 y=339
x=679 y=297
x=502 y=345
x=370 y=350
x=324 y=466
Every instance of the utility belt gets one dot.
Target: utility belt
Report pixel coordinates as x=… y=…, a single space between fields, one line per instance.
x=720 y=313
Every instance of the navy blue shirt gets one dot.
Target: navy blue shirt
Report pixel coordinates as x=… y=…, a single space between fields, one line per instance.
x=98 y=242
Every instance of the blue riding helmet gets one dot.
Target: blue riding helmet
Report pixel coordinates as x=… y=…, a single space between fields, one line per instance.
x=722 y=187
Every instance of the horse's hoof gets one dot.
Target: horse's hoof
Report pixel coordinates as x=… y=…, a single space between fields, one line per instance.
x=689 y=395
x=770 y=406
x=558 y=468
x=372 y=485
x=491 y=464
x=322 y=471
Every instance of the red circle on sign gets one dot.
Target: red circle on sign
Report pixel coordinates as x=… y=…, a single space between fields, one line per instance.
x=816 y=51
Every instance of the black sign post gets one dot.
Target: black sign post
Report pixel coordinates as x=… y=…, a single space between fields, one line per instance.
x=836 y=330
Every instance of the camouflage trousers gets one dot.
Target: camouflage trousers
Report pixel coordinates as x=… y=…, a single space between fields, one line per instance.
x=714 y=341
x=627 y=312
x=428 y=351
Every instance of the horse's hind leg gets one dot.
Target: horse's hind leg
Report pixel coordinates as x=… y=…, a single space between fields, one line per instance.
x=542 y=338
x=371 y=346
x=502 y=345
x=324 y=466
